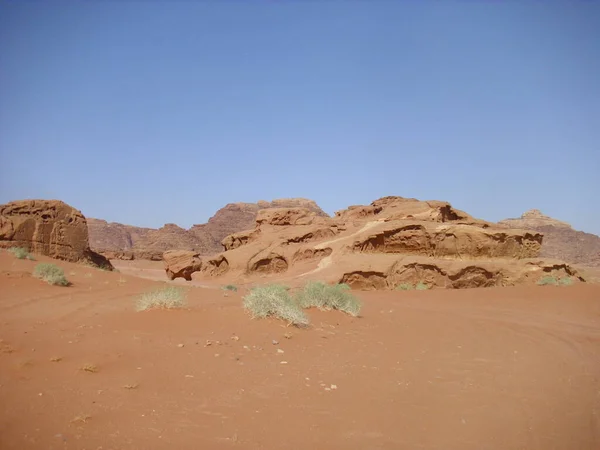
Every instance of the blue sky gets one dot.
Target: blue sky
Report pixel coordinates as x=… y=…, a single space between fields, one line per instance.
x=153 y=112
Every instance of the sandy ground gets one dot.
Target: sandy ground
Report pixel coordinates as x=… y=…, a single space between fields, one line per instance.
x=501 y=368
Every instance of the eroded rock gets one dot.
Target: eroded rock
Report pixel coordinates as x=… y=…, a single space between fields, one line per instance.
x=181 y=264
x=48 y=227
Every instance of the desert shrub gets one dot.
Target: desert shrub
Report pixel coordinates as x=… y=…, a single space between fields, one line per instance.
x=421 y=286
x=50 y=273
x=274 y=300
x=566 y=281
x=547 y=280
x=404 y=287
x=21 y=253
x=169 y=297
x=230 y=287
x=327 y=297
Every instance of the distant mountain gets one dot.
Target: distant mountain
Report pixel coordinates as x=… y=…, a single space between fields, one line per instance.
x=119 y=241
x=561 y=241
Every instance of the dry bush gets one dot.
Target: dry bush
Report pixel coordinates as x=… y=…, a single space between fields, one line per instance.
x=50 y=273
x=274 y=300
x=21 y=253
x=169 y=297
x=326 y=297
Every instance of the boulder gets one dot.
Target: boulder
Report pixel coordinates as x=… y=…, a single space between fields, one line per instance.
x=181 y=264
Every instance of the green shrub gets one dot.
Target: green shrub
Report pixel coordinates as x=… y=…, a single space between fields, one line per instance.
x=21 y=253
x=566 y=281
x=50 y=273
x=404 y=287
x=548 y=280
x=169 y=297
x=326 y=297
x=421 y=286
x=274 y=300
x=230 y=287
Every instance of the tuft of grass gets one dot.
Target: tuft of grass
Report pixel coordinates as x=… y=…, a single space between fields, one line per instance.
x=169 y=297
x=404 y=287
x=548 y=280
x=56 y=359
x=91 y=368
x=566 y=281
x=421 y=286
x=131 y=386
x=21 y=253
x=81 y=418
x=326 y=297
x=230 y=287
x=50 y=273
x=274 y=300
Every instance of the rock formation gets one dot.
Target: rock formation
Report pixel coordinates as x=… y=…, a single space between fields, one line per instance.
x=391 y=242
x=48 y=227
x=181 y=264
x=128 y=242
x=561 y=241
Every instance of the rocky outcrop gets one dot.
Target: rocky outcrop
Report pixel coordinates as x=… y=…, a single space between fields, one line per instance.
x=285 y=217
x=122 y=241
x=448 y=241
x=561 y=241
x=181 y=264
x=48 y=227
x=400 y=208
x=236 y=240
x=408 y=272
x=390 y=242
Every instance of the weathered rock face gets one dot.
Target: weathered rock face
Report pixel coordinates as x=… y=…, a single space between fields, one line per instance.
x=113 y=239
x=181 y=264
x=285 y=216
x=561 y=241
x=48 y=227
x=390 y=242
x=236 y=240
x=400 y=208
x=448 y=241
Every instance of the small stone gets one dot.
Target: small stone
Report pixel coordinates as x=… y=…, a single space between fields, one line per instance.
x=287 y=335
x=274 y=342
x=283 y=362
x=40 y=394
x=216 y=354
x=180 y=345
x=235 y=338
x=327 y=389
x=334 y=386
x=280 y=351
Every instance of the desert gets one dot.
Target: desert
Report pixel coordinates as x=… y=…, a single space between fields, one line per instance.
x=473 y=359
x=303 y=225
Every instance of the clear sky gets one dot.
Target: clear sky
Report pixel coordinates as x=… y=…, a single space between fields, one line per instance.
x=153 y=112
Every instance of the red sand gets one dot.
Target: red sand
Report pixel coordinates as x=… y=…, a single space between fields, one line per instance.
x=498 y=368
